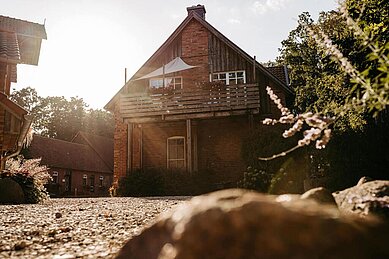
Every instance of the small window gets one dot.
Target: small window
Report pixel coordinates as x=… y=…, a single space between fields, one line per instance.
x=174 y=82
x=101 y=181
x=230 y=78
x=176 y=153
x=92 y=183
x=54 y=177
x=84 y=180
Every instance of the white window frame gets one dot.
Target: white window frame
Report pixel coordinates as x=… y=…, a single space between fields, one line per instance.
x=167 y=82
x=101 y=181
x=85 y=180
x=55 y=174
x=227 y=75
x=167 y=151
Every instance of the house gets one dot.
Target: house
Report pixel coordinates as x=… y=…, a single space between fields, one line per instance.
x=191 y=104
x=82 y=167
x=20 y=43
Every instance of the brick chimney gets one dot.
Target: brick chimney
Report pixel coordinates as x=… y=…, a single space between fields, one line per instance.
x=198 y=9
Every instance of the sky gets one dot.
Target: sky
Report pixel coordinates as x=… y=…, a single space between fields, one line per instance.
x=91 y=42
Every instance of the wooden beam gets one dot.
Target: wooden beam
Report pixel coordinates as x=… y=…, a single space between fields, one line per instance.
x=129 y=147
x=189 y=145
x=194 y=143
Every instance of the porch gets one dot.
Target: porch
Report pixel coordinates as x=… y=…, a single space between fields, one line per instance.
x=201 y=102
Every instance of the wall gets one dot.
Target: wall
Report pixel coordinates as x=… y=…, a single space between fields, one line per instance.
x=155 y=142
x=219 y=148
x=195 y=52
x=120 y=148
x=57 y=189
x=218 y=144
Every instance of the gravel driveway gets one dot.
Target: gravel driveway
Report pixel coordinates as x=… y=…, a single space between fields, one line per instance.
x=76 y=227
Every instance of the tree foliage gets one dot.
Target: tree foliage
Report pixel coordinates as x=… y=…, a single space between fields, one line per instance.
x=58 y=117
x=319 y=79
x=343 y=73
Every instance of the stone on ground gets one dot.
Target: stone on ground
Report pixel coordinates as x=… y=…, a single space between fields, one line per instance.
x=242 y=224
x=366 y=198
x=320 y=195
x=10 y=192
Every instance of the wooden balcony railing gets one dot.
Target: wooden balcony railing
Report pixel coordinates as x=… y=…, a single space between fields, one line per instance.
x=224 y=100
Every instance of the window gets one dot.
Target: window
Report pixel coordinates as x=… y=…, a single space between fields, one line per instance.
x=230 y=78
x=54 y=177
x=101 y=181
x=174 y=82
x=84 y=179
x=92 y=183
x=176 y=153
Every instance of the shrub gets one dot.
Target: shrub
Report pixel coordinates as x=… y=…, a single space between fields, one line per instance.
x=254 y=179
x=162 y=182
x=279 y=175
x=30 y=175
x=141 y=183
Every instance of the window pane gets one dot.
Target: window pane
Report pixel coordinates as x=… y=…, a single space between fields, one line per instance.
x=240 y=74
x=180 y=151
x=176 y=153
x=215 y=76
x=240 y=81
x=169 y=82
x=173 y=152
x=156 y=83
x=222 y=76
x=231 y=75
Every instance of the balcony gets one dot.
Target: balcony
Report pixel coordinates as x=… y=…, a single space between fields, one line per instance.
x=202 y=102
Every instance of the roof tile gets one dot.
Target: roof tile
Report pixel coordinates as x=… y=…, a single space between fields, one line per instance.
x=9 y=47
x=67 y=155
x=22 y=27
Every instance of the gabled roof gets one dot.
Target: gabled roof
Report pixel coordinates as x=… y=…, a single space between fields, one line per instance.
x=67 y=155
x=172 y=37
x=101 y=145
x=22 y=27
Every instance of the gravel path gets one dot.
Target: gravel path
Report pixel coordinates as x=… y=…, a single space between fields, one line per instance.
x=76 y=228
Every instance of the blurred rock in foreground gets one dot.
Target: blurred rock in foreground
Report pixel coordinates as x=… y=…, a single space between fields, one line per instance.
x=10 y=192
x=242 y=224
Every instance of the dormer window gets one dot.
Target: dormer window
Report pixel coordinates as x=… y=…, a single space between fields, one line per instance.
x=173 y=82
x=230 y=78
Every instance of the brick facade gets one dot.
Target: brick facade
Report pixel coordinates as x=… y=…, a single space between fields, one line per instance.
x=120 y=149
x=92 y=187
x=195 y=52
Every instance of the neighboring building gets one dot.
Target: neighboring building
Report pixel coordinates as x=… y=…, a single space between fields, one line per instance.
x=82 y=167
x=20 y=43
x=191 y=104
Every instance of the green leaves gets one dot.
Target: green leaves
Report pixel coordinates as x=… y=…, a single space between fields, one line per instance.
x=58 y=117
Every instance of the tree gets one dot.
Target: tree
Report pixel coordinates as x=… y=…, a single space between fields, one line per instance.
x=316 y=53
x=61 y=118
x=99 y=122
x=58 y=117
x=27 y=98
